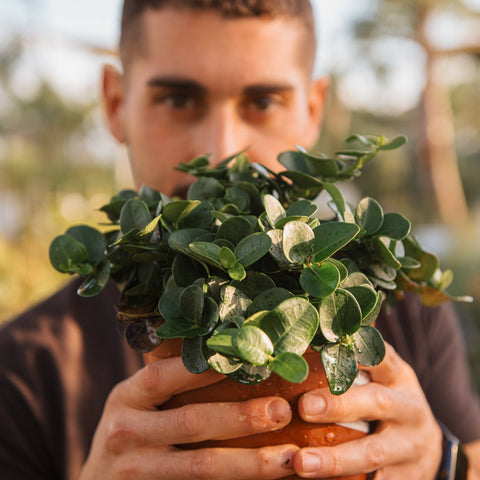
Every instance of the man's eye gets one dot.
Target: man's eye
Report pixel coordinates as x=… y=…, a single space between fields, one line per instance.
x=178 y=101
x=261 y=103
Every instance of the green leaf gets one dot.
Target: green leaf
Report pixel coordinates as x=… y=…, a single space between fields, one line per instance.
x=369 y=215
x=192 y=302
x=297 y=242
x=373 y=314
x=234 y=229
x=252 y=248
x=134 y=216
x=174 y=211
x=254 y=284
x=205 y=188
x=340 y=206
x=66 y=252
x=331 y=237
x=369 y=347
x=269 y=299
x=92 y=240
x=223 y=342
x=304 y=208
x=340 y=315
x=394 y=143
x=181 y=239
x=253 y=345
x=94 y=284
x=169 y=304
x=208 y=252
x=274 y=209
x=320 y=280
x=366 y=297
x=185 y=270
x=290 y=366
x=234 y=304
x=227 y=257
x=409 y=263
x=180 y=328
x=237 y=272
x=192 y=354
x=340 y=367
x=295 y=161
x=291 y=325
x=276 y=248
x=199 y=217
x=384 y=253
x=222 y=364
x=395 y=226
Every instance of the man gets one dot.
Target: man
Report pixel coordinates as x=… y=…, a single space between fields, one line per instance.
x=209 y=76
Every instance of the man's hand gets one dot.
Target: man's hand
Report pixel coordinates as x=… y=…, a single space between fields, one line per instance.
x=135 y=440
x=407 y=439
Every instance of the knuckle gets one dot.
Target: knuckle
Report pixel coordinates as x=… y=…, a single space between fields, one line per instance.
x=151 y=376
x=335 y=465
x=119 y=437
x=374 y=455
x=204 y=465
x=383 y=402
x=190 y=421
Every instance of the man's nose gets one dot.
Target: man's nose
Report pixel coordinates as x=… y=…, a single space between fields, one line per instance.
x=223 y=133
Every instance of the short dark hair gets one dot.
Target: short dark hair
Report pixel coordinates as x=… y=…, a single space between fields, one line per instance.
x=133 y=9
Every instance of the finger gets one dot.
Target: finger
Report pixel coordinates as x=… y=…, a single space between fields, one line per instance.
x=366 y=402
x=157 y=382
x=392 y=369
x=359 y=456
x=199 y=422
x=212 y=464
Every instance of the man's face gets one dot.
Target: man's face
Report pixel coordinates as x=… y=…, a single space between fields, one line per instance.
x=205 y=84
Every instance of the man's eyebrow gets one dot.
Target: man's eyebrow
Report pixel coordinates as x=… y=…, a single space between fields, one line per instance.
x=177 y=84
x=263 y=89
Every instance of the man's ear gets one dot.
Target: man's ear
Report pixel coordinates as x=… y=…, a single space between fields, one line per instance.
x=316 y=103
x=113 y=101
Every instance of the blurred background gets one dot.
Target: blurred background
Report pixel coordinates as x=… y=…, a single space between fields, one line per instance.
x=409 y=67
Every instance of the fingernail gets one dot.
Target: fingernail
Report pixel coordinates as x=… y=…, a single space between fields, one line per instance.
x=310 y=463
x=314 y=404
x=278 y=411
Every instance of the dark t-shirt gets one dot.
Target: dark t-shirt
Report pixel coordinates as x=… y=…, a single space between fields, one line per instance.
x=60 y=360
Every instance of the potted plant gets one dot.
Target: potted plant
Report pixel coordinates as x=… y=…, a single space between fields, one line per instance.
x=243 y=276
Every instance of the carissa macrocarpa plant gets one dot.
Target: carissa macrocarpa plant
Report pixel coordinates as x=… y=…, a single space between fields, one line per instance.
x=248 y=275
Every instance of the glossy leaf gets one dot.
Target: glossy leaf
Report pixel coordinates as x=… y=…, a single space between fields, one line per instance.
x=66 y=252
x=252 y=248
x=297 y=242
x=395 y=226
x=331 y=237
x=291 y=325
x=253 y=345
x=340 y=367
x=192 y=355
x=273 y=209
x=369 y=215
x=369 y=347
x=134 y=216
x=320 y=281
x=290 y=366
x=191 y=303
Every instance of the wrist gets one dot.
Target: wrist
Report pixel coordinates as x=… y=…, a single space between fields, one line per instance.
x=454 y=463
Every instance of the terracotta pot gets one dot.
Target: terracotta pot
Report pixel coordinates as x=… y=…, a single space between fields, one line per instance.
x=297 y=431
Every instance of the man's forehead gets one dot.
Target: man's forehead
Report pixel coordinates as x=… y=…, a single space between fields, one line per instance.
x=204 y=47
